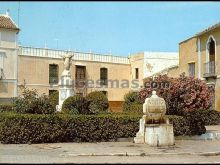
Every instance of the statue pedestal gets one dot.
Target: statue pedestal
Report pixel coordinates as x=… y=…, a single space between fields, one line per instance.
x=159 y=134
x=65 y=88
x=155 y=134
x=140 y=134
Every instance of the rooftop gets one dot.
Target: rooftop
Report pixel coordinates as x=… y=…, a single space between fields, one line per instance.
x=209 y=29
x=7 y=23
x=217 y=25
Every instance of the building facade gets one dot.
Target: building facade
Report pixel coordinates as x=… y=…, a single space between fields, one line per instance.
x=41 y=68
x=198 y=57
x=8 y=57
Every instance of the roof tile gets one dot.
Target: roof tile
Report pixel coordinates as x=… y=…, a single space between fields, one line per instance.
x=7 y=23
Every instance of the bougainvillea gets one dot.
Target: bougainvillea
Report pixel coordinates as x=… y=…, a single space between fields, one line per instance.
x=183 y=94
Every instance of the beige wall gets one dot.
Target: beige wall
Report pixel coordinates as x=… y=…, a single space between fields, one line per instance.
x=35 y=72
x=8 y=38
x=7 y=89
x=137 y=61
x=8 y=61
x=173 y=72
x=204 y=39
x=188 y=54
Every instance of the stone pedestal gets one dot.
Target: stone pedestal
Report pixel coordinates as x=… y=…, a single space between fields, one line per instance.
x=140 y=134
x=159 y=134
x=155 y=134
x=65 y=88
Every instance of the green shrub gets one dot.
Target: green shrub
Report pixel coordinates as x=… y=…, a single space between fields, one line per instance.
x=54 y=99
x=132 y=103
x=34 y=128
x=209 y=116
x=76 y=105
x=98 y=102
x=30 y=102
x=6 y=107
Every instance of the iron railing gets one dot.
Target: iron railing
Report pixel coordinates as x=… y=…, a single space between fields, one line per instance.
x=209 y=69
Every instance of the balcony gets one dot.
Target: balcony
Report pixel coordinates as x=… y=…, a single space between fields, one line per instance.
x=209 y=69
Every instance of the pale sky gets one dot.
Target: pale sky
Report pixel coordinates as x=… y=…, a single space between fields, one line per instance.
x=119 y=27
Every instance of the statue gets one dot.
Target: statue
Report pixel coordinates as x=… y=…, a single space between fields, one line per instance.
x=66 y=83
x=67 y=62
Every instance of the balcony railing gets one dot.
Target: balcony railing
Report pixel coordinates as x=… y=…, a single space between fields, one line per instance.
x=209 y=69
x=81 y=56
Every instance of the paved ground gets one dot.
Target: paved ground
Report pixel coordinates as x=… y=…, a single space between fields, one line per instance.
x=184 y=151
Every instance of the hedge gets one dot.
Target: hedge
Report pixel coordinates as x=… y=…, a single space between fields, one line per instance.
x=43 y=128
x=6 y=107
x=209 y=116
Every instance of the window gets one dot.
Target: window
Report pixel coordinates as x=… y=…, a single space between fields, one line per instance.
x=136 y=73
x=80 y=76
x=80 y=72
x=192 y=69
x=103 y=76
x=53 y=73
x=211 y=49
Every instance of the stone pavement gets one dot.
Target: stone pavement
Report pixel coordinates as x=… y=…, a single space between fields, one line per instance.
x=64 y=152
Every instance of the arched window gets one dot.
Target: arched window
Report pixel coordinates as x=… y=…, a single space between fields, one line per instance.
x=211 y=49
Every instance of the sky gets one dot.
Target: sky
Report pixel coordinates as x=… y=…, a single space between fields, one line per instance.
x=118 y=28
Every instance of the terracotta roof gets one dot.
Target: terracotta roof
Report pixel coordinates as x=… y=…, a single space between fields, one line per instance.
x=7 y=23
x=209 y=29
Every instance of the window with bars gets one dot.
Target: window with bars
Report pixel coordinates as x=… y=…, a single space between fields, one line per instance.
x=103 y=76
x=53 y=73
x=191 y=69
x=136 y=73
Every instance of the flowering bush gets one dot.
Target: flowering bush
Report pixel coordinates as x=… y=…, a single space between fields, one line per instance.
x=185 y=94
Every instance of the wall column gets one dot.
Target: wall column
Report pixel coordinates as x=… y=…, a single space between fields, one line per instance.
x=199 y=57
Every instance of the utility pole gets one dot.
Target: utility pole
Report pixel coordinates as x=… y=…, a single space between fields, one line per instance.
x=18 y=12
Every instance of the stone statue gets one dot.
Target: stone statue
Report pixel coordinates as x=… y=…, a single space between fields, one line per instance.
x=67 y=60
x=66 y=83
x=67 y=63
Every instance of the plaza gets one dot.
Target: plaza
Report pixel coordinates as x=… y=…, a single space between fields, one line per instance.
x=62 y=105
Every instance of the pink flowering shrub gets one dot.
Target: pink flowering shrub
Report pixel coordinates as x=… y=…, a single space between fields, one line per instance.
x=185 y=94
